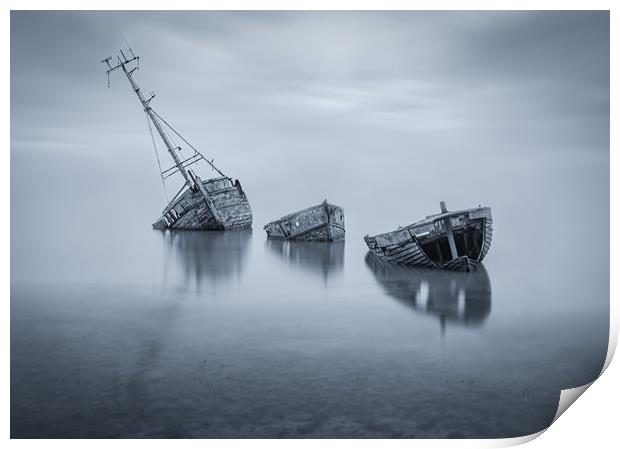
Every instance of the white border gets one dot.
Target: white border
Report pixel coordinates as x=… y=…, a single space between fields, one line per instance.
x=592 y=422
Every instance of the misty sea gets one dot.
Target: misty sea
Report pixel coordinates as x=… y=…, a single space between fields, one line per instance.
x=231 y=335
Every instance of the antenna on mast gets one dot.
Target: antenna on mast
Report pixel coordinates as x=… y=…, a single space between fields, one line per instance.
x=107 y=61
x=131 y=51
x=128 y=46
x=122 y=63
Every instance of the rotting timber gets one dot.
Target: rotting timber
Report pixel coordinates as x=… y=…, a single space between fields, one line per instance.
x=213 y=204
x=452 y=240
x=324 y=222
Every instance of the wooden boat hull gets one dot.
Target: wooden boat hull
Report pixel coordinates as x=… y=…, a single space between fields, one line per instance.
x=324 y=222
x=192 y=211
x=425 y=243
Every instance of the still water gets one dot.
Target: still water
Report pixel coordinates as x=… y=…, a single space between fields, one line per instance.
x=157 y=334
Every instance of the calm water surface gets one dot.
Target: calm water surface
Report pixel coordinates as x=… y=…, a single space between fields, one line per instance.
x=226 y=334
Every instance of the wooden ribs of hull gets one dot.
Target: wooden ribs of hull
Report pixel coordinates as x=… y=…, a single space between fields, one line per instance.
x=324 y=222
x=403 y=247
x=410 y=253
x=191 y=212
x=399 y=247
x=488 y=236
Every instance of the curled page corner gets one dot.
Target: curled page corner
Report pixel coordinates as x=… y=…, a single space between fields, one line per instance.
x=568 y=397
x=613 y=339
x=517 y=441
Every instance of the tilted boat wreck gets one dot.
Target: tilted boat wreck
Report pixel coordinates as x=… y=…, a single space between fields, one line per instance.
x=213 y=204
x=452 y=240
x=324 y=222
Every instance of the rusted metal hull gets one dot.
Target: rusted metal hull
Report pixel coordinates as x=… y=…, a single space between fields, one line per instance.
x=426 y=243
x=324 y=222
x=218 y=205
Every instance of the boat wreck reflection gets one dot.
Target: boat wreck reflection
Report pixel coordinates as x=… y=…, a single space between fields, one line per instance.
x=325 y=258
x=200 y=257
x=454 y=297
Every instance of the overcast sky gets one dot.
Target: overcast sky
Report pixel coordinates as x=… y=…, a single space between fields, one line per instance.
x=383 y=113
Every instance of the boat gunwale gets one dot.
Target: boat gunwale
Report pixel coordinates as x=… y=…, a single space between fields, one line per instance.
x=426 y=221
x=292 y=214
x=295 y=237
x=177 y=200
x=217 y=179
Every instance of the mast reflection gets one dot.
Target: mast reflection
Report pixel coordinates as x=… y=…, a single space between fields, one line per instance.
x=453 y=297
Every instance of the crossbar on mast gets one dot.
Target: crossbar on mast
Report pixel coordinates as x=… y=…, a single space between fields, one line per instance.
x=190 y=145
x=122 y=64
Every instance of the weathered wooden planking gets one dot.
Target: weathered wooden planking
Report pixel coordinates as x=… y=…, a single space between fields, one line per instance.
x=324 y=222
x=488 y=236
x=399 y=248
x=403 y=247
x=191 y=211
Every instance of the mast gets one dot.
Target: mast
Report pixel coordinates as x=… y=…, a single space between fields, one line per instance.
x=123 y=62
x=448 y=225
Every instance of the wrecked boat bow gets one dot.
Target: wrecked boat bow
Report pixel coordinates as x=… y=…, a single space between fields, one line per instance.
x=324 y=222
x=214 y=204
x=451 y=240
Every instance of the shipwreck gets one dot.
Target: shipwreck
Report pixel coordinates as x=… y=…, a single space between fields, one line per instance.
x=324 y=222
x=452 y=240
x=211 y=204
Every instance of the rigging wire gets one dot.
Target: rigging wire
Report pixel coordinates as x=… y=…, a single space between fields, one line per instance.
x=174 y=143
x=189 y=144
x=163 y=183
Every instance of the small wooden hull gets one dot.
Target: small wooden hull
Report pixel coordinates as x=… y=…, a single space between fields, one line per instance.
x=324 y=222
x=219 y=205
x=426 y=243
